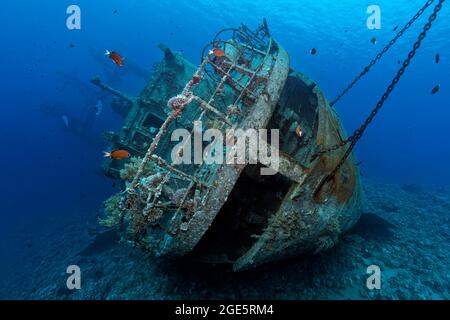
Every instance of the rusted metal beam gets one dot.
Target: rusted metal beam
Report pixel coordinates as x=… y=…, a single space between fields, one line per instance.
x=96 y=81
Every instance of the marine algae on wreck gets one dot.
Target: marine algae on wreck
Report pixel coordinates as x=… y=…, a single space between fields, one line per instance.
x=224 y=213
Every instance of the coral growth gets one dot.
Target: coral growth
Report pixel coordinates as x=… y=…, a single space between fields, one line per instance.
x=113 y=214
x=330 y=236
x=131 y=168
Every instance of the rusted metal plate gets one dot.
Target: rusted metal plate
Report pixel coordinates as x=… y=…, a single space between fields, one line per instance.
x=230 y=213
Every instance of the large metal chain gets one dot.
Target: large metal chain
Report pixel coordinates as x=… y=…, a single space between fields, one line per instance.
x=360 y=131
x=382 y=52
x=365 y=71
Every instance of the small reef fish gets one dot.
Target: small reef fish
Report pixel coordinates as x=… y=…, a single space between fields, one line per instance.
x=299 y=131
x=117 y=154
x=313 y=51
x=435 y=89
x=373 y=40
x=114 y=56
x=98 y=108
x=218 y=52
x=65 y=121
x=437 y=58
x=396 y=27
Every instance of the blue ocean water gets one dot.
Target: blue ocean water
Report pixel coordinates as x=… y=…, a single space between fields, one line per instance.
x=51 y=173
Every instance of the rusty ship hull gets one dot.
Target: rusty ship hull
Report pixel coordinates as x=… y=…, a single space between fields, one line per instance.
x=226 y=213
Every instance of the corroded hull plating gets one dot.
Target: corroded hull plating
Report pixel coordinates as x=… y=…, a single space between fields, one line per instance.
x=229 y=213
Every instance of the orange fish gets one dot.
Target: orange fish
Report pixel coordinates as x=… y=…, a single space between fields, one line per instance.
x=117 y=154
x=114 y=56
x=218 y=52
x=299 y=132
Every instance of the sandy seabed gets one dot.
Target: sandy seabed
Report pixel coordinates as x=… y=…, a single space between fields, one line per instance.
x=405 y=230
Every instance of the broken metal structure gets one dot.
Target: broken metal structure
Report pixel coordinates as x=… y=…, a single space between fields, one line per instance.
x=224 y=213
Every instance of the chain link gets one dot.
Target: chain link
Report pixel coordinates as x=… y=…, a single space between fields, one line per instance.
x=360 y=131
x=357 y=133
x=382 y=52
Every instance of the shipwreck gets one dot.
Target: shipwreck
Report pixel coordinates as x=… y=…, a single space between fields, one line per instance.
x=222 y=213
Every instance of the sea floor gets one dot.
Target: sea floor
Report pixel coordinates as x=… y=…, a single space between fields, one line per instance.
x=405 y=231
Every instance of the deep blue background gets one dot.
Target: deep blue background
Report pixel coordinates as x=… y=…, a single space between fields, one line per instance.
x=49 y=171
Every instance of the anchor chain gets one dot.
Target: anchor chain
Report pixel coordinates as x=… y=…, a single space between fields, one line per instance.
x=382 y=52
x=360 y=131
x=364 y=72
